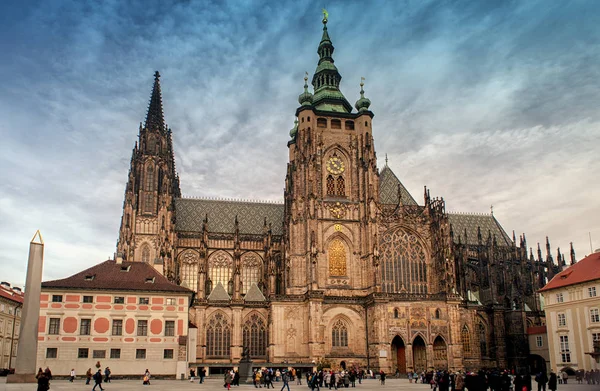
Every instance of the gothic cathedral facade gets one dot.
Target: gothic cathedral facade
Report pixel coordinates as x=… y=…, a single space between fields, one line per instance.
x=349 y=270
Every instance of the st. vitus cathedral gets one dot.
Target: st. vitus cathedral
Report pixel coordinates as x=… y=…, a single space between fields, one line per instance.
x=350 y=270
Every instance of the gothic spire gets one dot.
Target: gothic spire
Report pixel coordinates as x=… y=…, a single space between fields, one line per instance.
x=326 y=80
x=155 y=119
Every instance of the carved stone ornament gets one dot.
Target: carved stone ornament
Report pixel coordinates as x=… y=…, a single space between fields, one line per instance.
x=337 y=210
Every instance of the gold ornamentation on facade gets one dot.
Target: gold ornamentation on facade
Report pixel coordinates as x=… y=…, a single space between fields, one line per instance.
x=337 y=227
x=337 y=258
x=337 y=210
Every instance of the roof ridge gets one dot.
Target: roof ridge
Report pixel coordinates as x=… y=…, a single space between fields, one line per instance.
x=470 y=213
x=244 y=200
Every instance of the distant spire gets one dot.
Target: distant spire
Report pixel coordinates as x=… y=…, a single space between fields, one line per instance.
x=363 y=103
x=386 y=159
x=155 y=119
x=572 y=254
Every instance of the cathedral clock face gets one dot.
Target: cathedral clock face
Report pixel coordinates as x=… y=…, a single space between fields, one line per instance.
x=335 y=165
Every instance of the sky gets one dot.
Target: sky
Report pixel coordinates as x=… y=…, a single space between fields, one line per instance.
x=484 y=102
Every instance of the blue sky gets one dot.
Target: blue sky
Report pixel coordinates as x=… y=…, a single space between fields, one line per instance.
x=485 y=102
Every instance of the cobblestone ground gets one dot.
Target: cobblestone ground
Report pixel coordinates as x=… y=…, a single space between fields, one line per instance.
x=215 y=384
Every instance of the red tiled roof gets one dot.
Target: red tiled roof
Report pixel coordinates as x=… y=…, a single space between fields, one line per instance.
x=110 y=275
x=11 y=295
x=536 y=330
x=588 y=269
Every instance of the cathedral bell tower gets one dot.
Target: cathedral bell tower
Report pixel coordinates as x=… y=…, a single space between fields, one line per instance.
x=331 y=189
x=146 y=233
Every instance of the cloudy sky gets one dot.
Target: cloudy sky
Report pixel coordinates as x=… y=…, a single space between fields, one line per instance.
x=485 y=102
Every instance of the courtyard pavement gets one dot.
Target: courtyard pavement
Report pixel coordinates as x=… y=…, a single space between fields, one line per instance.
x=215 y=384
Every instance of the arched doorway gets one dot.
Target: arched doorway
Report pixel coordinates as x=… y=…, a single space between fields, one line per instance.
x=343 y=365
x=419 y=354
x=440 y=353
x=399 y=354
x=537 y=364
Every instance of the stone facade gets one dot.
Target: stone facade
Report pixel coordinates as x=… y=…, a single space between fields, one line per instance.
x=11 y=305
x=349 y=270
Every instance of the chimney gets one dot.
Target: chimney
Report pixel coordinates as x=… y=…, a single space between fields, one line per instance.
x=119 y=258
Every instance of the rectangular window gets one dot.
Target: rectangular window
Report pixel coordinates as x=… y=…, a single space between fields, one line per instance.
x=54 y=326
x=117 y=327
x=595 y=337
x=119 y=300
x=170 y=328
x=115 y=353
x=85 y=327
x=83 y=353
x=144 y=300
x=99 y=354
x=51 y=352
x=559 y=298
x=562 y=320
x=595 y=315
x=57 y=298
x=566 y=357
x=140 y=354
x=592 y=291
x=171 y=301
x=564 y=343
x=142 y=327
x=539 y=341
x=168 y=354
x=88 y=299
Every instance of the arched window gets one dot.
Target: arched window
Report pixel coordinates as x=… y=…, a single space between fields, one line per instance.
x=466 y=341
x=255 y=336
x=396 y=314
x=337 y=258
x=219 y=269
x=339 y=335
x=482 y=339
x=218 y=336
x=341 y=186
x=150 y=178
x=404 y=267
x=146 y=253
x=251 y=271
x=330 y=185
x=437 y=313
x=189 y=270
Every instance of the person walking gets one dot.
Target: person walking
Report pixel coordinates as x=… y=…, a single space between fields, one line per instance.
x=146 y=380
x=107 y=375
x=43 y=382
x=202 y=374
x=459 y=381
x=88 y=376
x=382 y=377
x=72 y=375
x=285 y=378
x=228 y=379
x=98 y=380
x=565 y=377
x=541 y=380
x=552 y=381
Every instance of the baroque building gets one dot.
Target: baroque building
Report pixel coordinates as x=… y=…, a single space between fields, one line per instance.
x=350 y=270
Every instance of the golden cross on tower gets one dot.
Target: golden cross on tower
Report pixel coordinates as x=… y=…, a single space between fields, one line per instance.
x=325 y=15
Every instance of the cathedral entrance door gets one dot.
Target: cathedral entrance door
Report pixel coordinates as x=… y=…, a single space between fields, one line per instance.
x=400 y=353
x=419 y=354
x=440 y=353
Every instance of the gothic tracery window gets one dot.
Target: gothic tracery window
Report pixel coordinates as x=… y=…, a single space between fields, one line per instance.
x=330 y=185
x=337 y=258
x=341 y=186
x=404 y=267
x=218 y=336
x=466 y=341
x=150 y=178
x=189 y=270
x=339 y=334
x=251 y=271
x=255 y=336
x=482 y=339
x=146 y=253
x=219 y=269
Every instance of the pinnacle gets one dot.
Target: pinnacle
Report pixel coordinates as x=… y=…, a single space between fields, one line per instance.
x=155 y=118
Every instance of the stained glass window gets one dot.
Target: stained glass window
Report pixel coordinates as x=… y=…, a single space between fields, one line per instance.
x=341 y=186
x=146 y=253
x=149 y=203
x=482 y=339
x=466 y=341
x=339 y=334
x=219 y=269
x=337 y=258
x=189 y=269
x=251 y=271
x=404 y=267
x=150 y=178
x=330 y=186
x=218 y=336
x=255 y=336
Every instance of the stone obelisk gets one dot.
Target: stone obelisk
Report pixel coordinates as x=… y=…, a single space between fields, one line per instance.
x=25 y=368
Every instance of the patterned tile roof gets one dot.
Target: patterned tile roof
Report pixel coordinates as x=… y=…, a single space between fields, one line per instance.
x=588 y=269
x=11 y=294
x=126 y=276
x=470 y=222
x=388 y=188
x=221 y=215
x=219 y=294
